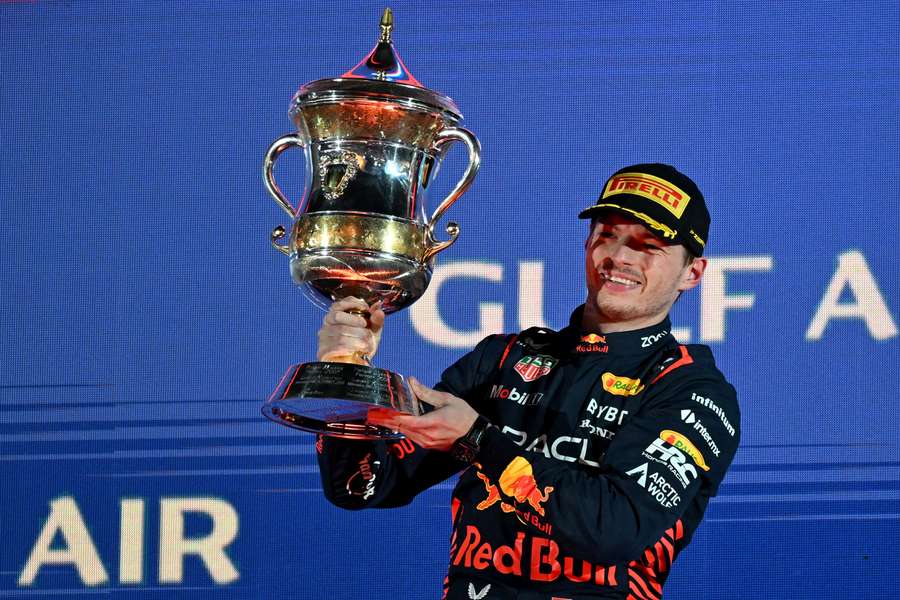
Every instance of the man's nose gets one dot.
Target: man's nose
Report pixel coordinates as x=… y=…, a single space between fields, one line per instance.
x=623 y=252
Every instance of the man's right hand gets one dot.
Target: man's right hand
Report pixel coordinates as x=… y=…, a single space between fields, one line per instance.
x=343 y=333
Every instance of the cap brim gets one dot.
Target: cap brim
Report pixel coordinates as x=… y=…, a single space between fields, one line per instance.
x=659 y=229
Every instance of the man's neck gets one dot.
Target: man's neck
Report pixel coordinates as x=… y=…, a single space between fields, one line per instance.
x=593 y=320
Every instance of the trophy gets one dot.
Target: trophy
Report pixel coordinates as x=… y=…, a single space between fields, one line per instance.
x=373 y=140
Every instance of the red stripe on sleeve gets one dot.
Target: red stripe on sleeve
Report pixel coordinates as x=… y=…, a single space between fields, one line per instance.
x=635 y=592
x=661 y=561
x=669 y=548
x=645 y=589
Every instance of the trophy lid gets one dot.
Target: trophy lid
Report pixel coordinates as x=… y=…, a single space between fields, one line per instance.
x=380 y=75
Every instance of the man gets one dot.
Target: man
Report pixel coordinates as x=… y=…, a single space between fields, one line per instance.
x=588 y=455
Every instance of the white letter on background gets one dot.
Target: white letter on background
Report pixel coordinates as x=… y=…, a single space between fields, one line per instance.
x=131 y=541
x=714 y=298
x=425 y=315
x=79 y=550
x=531 y=294
x=173 y=546
x=868 y=303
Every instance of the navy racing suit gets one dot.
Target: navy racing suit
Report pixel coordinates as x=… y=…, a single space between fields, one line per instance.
x=603 y=453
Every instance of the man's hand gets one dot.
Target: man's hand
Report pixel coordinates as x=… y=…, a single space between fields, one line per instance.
x=437 y=430
x=343 y=333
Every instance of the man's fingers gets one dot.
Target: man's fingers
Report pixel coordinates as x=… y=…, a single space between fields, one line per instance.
x=384 y=418
x=342 y=335
x=376 y=321
x=342 y=340
x=337 y=317
x=349 y=302
x=428 y=395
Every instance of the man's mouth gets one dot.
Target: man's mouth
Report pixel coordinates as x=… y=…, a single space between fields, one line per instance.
x=620 y=280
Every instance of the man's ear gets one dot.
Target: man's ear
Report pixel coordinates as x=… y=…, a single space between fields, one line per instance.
x=693 y=273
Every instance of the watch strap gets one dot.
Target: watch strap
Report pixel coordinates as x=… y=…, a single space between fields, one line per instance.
x=467 y=446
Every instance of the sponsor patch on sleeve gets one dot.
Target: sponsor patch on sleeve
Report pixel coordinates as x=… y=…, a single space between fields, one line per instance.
x=685 y=445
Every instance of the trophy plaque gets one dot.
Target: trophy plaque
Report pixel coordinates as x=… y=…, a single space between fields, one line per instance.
x=373 y=140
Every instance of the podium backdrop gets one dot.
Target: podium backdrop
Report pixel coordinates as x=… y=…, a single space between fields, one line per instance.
x=144 y=317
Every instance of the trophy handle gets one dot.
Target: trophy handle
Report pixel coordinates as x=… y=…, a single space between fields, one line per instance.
x=272 y=154
x=277 y=234
x=444 y=137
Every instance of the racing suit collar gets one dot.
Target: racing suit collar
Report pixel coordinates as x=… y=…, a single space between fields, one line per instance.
x=637 y=341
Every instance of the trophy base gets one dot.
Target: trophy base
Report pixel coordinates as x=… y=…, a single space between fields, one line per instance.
x=335 y=399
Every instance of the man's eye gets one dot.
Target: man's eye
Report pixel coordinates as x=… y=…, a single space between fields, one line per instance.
x=652 y=247
x=606 y=234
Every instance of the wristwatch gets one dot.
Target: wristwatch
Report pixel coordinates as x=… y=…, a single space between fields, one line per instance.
x=466 y=447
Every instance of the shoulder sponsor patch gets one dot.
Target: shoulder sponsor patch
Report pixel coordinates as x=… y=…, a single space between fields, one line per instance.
x=708 y=403
x=682 y=443
x=656 y=485
x=688 y=416
x=621 y=386
x=530 y=368
x=667 y=454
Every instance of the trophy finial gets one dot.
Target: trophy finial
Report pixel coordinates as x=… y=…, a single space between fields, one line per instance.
x=383 y=63
x=387 y=25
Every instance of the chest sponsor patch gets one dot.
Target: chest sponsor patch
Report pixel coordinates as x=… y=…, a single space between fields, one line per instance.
x=523 y=398
x=530 y=368
x=621 y=386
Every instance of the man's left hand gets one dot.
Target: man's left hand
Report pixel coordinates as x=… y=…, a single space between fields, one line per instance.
x=451 y=419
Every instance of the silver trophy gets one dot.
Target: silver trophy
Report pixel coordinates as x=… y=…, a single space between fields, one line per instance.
x=373 y=141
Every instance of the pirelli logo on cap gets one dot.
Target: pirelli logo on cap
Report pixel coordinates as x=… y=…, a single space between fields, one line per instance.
x=652 y=188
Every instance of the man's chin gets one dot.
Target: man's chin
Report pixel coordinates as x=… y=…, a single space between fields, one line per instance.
x=617 y=310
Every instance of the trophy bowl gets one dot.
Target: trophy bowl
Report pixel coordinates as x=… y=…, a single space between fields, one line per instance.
x=373 y=141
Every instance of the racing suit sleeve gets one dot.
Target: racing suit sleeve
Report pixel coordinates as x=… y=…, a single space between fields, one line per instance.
x=653 y=469
x=360 y=474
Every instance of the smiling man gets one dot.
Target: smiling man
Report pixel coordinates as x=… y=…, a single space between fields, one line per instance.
x=588 y=455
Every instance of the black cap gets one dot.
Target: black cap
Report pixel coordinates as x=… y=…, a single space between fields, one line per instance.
x=667 y=201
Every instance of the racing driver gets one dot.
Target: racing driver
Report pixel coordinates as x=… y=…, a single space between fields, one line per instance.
x=587 y=455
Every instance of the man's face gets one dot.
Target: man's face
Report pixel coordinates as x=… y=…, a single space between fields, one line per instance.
x=633 y=277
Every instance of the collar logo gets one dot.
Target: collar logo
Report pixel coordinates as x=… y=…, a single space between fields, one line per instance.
x=621 y=386
x=667 y=195
x=530 y=368
x=592 y=343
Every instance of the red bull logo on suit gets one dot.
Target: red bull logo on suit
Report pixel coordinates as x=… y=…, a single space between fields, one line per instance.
x=517 y=482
